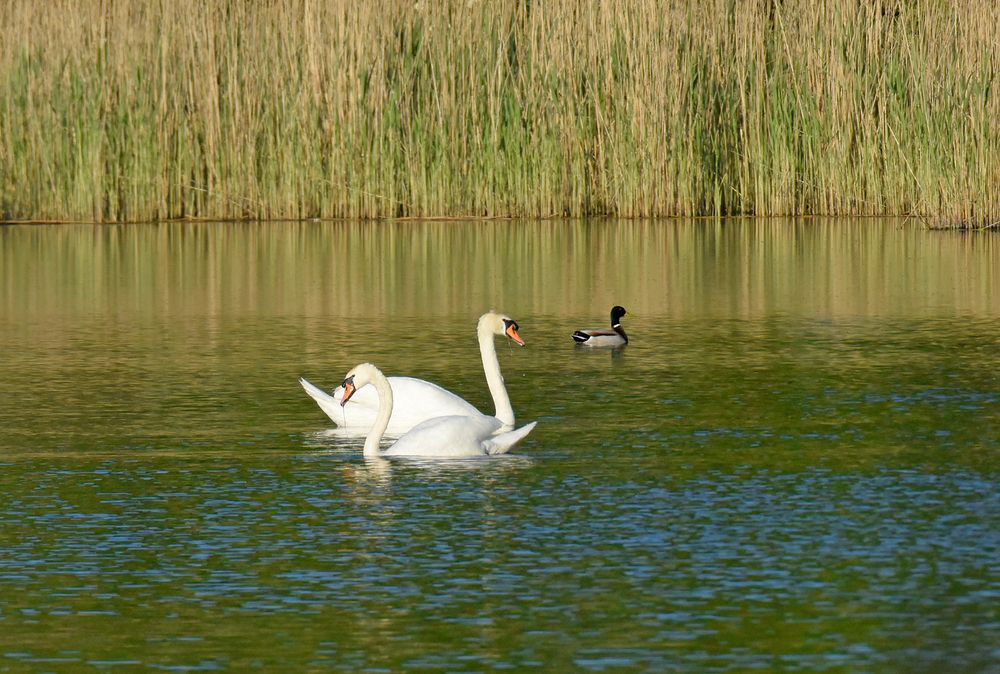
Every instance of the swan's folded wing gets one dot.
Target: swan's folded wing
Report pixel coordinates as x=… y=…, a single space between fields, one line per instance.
x=501 y=444
x=315 y=391
x=449 y=436
x=327 y=402
x=418 y=400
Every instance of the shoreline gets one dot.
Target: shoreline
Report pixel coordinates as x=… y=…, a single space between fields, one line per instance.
x=963 y=227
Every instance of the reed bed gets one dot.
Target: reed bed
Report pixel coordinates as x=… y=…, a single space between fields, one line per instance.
x=161 y=109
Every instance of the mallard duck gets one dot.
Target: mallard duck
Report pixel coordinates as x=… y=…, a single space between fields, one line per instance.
x=602 y=336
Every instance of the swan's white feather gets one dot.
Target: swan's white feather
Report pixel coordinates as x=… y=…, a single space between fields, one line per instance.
x=424 y=400
x=503 y=442
x=449 y=436
x=457 y=436
x=452 y=436
x=417 y=400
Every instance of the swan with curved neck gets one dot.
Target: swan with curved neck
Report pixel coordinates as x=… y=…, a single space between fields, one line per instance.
x=446 y=436
x=418 y=400
x=602 y=336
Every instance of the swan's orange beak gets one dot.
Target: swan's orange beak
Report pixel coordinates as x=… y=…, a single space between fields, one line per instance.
x=348 y=392
x=512 y=333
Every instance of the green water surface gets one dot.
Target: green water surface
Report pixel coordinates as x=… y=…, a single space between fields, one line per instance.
x=792 y=467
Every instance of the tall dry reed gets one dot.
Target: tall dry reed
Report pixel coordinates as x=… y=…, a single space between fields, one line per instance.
x=236 y=109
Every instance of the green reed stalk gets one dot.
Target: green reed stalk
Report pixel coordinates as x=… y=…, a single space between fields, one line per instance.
x=317 y=108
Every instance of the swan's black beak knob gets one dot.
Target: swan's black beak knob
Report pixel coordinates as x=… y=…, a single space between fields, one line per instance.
x=511 y=331
x=349 y=390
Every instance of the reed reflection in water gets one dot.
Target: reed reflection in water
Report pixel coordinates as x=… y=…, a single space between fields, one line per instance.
x=743 y=269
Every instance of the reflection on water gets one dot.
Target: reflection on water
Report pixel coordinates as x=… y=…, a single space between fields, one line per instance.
x=791 y=467
x=742 y=269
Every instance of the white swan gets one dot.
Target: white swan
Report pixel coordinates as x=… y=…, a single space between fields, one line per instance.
x=448 y=436
x=603 y=337
x=420 y=400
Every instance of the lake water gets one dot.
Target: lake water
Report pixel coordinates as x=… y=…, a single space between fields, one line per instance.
x=792 y=467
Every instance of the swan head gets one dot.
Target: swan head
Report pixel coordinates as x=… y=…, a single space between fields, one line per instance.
x=616 y=314
x=361 y=375
x=500 y=324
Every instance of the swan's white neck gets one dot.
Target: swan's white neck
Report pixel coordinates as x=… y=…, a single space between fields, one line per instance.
x=487 y=348
x=374 y=439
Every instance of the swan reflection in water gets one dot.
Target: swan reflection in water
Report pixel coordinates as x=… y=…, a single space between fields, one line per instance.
x=376 y=473
x=334 y=443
